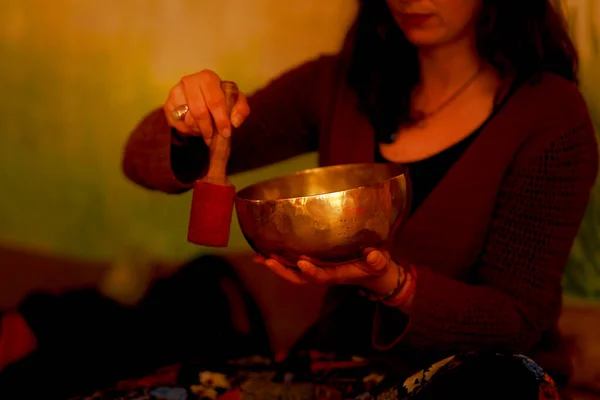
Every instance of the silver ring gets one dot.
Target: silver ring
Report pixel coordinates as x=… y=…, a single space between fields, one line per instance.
x=179 y=112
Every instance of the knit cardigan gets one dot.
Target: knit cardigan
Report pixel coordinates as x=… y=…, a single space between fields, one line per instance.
x=490 y=242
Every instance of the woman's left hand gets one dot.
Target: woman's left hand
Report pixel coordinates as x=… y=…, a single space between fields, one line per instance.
x=375 y=272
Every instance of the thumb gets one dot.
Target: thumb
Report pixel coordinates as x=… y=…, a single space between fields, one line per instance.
x=377 y=261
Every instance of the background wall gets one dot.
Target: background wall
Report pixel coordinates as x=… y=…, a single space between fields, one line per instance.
x=583 y=272
x=76 y=76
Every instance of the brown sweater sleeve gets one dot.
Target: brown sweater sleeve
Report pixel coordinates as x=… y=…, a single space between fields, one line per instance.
x=283 y=123
x=516 y=293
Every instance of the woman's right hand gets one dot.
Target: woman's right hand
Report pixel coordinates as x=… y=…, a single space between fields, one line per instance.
x=207 y=114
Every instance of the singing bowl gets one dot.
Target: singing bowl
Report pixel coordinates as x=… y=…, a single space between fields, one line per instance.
x=329 y=215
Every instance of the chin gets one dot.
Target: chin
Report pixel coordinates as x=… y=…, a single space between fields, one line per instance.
x=425 y=38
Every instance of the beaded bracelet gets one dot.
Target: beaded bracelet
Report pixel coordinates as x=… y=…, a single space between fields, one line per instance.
x=393 y=293
x=402 y=296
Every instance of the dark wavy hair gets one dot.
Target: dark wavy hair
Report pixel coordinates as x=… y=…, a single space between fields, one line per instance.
x=520 y=38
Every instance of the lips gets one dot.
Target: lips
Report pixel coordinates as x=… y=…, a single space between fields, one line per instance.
x=415 y=19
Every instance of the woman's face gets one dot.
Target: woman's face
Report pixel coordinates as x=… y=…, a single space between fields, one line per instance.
x=434 y=22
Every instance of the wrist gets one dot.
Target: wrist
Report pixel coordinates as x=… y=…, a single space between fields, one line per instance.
x=403 y=298
x=385 y=283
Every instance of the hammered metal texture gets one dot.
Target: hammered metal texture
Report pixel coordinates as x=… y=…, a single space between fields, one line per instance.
x=329 y=215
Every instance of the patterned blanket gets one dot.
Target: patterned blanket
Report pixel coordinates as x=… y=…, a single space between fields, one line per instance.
x=306 y=376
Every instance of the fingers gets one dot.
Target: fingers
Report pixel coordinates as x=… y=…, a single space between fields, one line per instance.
x=282 y=271
x=240 y=111
x=285 y=272
x=310 y=271
x=198 y=109
x=177 y=98
x=207 y=109
x=214 y=100
x=368 y=250
x=322 y=276
x=377 y=261
x=278 y=258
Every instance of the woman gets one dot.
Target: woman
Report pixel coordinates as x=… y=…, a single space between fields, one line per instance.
x=479 y=99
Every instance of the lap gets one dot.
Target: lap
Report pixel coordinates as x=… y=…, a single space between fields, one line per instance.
x=469 y=376
x=287 y=309
x=465 y=376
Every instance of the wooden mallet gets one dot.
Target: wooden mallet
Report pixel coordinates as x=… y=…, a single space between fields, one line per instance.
x=213 y=195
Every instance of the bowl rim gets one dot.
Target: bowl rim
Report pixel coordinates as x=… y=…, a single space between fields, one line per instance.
x=402 y=168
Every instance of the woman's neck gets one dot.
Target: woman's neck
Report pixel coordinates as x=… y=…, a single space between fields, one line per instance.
x=446 y=67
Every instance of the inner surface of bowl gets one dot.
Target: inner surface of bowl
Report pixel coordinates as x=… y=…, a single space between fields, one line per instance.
x=323 y=180
x=329 y=215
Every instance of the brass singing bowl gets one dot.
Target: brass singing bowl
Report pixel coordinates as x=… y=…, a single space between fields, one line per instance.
x=329 y=215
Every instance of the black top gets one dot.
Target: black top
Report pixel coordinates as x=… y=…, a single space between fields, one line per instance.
x=427 y=173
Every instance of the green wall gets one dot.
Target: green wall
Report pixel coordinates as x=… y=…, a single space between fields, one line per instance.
x=77 y=76
x=583 y=272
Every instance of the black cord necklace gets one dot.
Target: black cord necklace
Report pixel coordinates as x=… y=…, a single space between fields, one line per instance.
x=419 y=121
x=425 y=116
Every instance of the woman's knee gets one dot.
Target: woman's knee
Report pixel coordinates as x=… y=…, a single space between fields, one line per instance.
x=485 y=376
x=205 y=288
